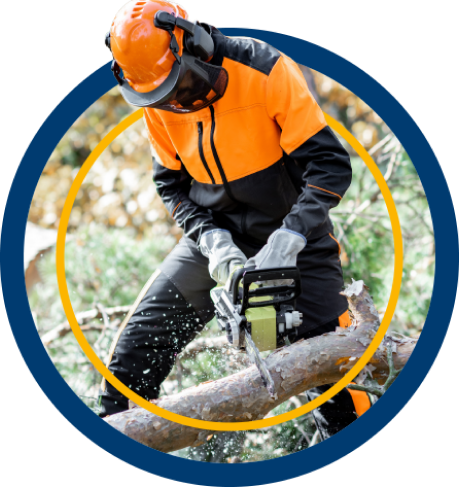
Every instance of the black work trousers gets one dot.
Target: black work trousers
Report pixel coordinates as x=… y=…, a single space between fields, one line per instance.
x=175 y=304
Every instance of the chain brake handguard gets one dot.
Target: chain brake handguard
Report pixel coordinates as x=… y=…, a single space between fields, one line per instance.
x=281 y=294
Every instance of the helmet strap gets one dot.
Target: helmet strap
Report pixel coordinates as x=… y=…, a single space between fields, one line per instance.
x=174 y=47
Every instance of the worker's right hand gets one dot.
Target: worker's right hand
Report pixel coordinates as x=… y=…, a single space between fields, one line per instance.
x=282 y=250
x=223 y=254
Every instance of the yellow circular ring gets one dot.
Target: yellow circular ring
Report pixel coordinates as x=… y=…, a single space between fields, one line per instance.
x=213 y=425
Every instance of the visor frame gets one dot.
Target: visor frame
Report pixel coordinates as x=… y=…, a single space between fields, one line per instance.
x=158 y=97
x=154 y=97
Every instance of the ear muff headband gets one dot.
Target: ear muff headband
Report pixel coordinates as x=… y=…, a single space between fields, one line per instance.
x=197 y=40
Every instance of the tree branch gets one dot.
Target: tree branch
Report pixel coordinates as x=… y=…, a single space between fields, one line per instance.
x=372 y=387
x=371 y=390
x=83 y=318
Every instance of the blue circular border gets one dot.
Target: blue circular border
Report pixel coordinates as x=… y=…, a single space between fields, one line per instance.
x=54 y=386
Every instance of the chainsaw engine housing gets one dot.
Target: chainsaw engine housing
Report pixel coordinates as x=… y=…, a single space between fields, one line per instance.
x=267 y=313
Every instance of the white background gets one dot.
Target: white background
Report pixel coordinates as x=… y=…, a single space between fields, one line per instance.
x=55 y=47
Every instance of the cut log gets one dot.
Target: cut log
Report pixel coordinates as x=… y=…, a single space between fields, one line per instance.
x=242 y=396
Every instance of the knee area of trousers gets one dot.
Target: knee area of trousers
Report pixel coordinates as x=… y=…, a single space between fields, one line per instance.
x=361 y=401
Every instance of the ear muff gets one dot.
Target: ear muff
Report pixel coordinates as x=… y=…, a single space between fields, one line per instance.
x=200 y=44
x=107 y=50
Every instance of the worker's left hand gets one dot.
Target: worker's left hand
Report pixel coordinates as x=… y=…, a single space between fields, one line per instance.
x=281 y=250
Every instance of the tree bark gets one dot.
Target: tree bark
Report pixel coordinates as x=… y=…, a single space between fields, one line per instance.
x=242 y=396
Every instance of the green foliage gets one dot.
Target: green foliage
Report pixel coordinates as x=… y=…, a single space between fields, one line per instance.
x=106 y=266
x=103 y=266
x=364 y=229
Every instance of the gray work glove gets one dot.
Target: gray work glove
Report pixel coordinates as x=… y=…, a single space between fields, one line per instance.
x=223 y=255
x=281 y=250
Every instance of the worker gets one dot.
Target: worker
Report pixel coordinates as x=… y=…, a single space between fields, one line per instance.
x=246 y=165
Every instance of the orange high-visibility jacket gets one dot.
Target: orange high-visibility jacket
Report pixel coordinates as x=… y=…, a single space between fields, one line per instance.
x=260 y=158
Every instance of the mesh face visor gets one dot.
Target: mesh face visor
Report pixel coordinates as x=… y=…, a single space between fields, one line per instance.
x=202 y=85
x=191 y=86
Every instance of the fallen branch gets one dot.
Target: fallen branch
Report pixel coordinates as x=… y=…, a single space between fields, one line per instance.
x=242 y=397
x=83 y=318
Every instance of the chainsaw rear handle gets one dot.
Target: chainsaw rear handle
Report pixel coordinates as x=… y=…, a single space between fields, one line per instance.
x=283 y=293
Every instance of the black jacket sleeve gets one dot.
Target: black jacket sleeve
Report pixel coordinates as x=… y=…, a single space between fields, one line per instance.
x=323 y=163
x=327 y=174
x=173 y=187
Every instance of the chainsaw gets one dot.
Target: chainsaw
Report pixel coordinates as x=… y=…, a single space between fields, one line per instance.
x=259 y=318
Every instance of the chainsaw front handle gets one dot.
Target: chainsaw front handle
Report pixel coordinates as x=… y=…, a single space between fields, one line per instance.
x=282 y=294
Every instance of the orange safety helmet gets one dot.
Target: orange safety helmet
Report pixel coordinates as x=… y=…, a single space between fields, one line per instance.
x=141 y=49
x=164 y=58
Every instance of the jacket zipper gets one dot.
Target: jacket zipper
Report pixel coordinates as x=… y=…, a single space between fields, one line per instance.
x=201 y=152
x=217 y=159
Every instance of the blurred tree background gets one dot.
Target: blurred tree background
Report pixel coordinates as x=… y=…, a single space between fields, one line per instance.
x=119 y=232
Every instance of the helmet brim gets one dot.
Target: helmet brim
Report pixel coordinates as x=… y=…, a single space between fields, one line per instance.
x=154 y=97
